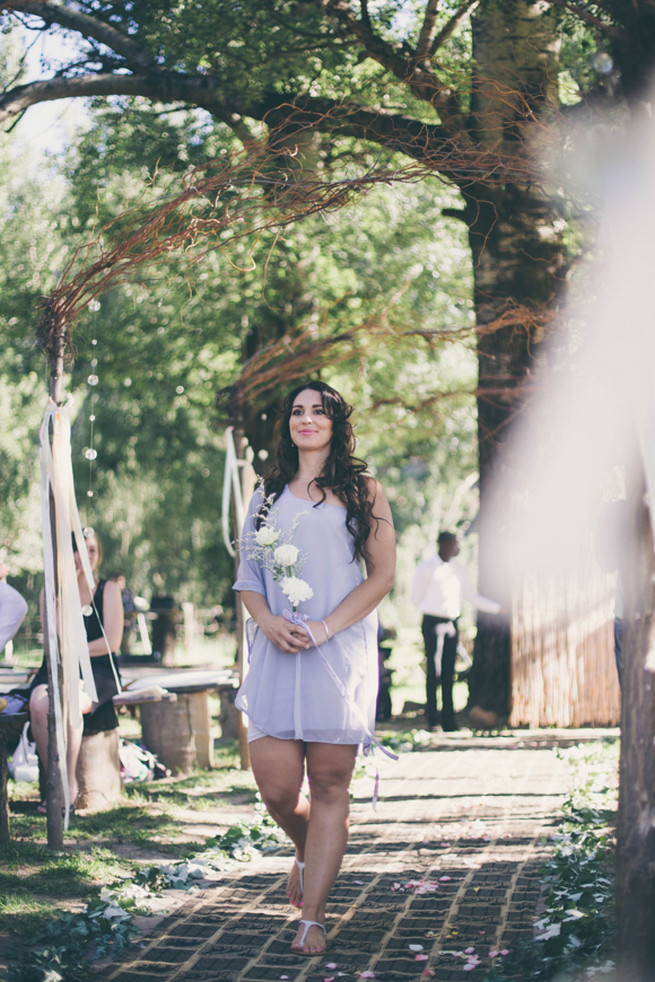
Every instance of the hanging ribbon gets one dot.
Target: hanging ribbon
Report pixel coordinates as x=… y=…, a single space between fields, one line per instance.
x=300 y=619
x=67 y=644
x=231 y=486
x=442 y=630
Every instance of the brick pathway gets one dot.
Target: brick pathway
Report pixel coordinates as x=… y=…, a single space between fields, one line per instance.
x=450 y=860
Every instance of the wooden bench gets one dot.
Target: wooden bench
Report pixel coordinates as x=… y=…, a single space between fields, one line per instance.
x=178 y=731
x=99 y=780
x=175 y=724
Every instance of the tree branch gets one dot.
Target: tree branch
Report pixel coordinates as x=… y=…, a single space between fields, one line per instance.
x=374 y=46
x=419 y=77
x=430 y=144
x=87 y=26
x=424 y=44
x=166 y=87
x=585 y=15
x=451 y=24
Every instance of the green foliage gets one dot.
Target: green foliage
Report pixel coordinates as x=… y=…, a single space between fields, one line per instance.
x=390 y=267
x=576 y=928
x=161 y=348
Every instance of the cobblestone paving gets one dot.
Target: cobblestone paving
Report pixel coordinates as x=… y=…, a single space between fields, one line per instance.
x=450 y=860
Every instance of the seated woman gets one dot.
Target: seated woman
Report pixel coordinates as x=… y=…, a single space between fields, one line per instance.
x=106 y=608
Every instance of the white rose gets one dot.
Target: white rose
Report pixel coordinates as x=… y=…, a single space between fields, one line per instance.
x=285 y=555
x=266 y=536
x=296 y=590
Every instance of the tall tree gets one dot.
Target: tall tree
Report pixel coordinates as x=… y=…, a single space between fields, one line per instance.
x=464 y=95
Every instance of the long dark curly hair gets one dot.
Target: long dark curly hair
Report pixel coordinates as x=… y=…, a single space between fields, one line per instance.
x=344 y=474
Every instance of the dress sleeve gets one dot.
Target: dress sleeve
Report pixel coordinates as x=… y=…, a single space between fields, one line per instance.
x=250 y=574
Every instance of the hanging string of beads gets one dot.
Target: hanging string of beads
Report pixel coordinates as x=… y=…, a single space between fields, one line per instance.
x=90 y=451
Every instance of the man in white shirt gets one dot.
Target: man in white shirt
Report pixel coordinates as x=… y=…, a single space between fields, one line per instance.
x=439 y=585
x=12 y=608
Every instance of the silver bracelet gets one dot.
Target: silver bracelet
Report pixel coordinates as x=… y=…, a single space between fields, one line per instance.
x=327 y=633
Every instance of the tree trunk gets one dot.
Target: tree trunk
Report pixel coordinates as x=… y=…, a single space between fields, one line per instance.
x=635 y=874
x=518 y=262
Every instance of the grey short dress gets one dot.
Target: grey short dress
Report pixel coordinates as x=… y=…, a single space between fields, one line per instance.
x=325 y=696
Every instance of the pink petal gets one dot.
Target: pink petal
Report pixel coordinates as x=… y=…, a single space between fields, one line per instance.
x=421 y=958
x=444 y=879
x=330 y=964
x=468 y=967
x=427 y=973
x=330 y=978
x=469 y=951
x=367 y=975
x=505 y=951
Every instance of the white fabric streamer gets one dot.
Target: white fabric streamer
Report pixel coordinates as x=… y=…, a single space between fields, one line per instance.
x=442 y=631
x=295 y=618
x=231 y=486
x=67 y=644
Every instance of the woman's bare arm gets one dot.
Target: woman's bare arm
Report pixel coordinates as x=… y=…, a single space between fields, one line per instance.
x=112 y=620
x=286 y=636
x=380 y=561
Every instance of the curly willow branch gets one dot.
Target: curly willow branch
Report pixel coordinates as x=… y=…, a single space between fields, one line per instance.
x=227 y=200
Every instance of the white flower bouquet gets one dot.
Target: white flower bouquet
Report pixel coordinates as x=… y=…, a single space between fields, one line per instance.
x=275 y=552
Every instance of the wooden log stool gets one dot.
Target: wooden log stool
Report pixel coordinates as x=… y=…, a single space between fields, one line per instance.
x=98 y=772
x=179 y=733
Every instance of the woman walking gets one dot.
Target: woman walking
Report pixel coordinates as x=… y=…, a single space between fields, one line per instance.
x=311 y=687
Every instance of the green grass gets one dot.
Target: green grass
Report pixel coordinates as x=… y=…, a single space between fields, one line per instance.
x=47 y=896
x=151 y=817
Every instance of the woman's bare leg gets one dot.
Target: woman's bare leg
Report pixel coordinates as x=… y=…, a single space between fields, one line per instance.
x=39 y=704
x=278 y=767
x=329 y=769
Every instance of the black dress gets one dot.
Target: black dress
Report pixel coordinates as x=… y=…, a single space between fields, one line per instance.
x=103 y=717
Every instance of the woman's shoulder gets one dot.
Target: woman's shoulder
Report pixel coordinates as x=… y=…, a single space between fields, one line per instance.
x=373 y=488
x=108 y=587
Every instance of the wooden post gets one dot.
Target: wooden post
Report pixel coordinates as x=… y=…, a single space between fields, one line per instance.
x=54 y=820
x=239 y=446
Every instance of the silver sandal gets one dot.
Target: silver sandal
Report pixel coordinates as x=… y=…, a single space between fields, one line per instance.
x=300 y=950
